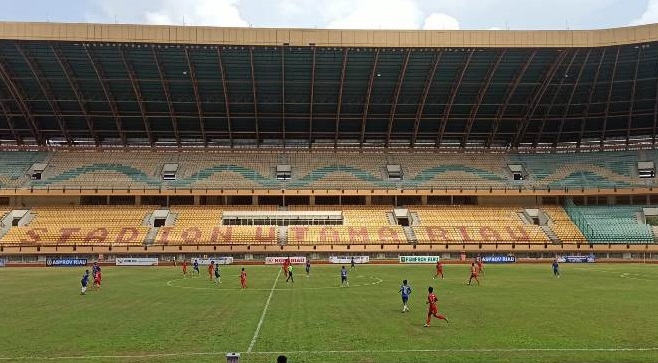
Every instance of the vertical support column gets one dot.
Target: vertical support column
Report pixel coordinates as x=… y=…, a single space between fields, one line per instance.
x=138 y=200
x=311 y=200
x=254 y=200
x=197 y=200
x=368 y=199
x=423 y=200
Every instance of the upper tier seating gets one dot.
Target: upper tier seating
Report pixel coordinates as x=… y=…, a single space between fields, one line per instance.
x=82 y=225
x=15 y=164
x=325 y=170
x=563 y=226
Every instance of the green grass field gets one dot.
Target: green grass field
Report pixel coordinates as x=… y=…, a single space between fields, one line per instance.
x=520 y=313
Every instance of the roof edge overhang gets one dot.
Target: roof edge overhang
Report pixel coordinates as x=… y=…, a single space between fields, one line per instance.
x=203 y=35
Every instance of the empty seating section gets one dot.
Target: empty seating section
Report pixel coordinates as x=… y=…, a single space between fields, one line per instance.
x=589 y=170
x=563 y=226
x=116 y=169
x=324 y=170
x=327 y=235
x=467 y=224
x=453 y=170
x=199 y=225
x=614 y=224
x=15 y=164
x=82 y=225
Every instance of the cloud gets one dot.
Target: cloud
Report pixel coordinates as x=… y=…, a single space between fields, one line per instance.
x=440 y=21
x=649 y=16
x=173 y=12
x=372 y=14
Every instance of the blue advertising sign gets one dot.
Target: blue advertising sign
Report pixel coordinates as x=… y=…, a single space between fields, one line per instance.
x=66 y=262
x=498 y=259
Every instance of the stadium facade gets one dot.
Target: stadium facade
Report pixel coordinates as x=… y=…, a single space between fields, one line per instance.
x=322 y=133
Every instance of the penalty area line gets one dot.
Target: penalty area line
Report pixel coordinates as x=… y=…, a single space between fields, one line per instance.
x=262 y=316
x=367 y=351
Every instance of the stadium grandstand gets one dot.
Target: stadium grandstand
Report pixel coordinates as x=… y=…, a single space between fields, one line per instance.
x=166 y=140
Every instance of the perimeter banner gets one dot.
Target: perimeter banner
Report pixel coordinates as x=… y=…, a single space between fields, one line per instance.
x=279 y=260
x=498 y=259
x=577 y=259
x=217 y=260
x=66 y=262
x=348 y=259
x=419 y=259
x=143 y=261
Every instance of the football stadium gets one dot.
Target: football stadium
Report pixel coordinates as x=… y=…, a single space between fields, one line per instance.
x=524 y=160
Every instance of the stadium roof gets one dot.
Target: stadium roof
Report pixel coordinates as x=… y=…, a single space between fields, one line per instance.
x=120 y=84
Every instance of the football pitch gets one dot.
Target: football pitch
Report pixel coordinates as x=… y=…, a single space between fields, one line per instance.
x=520 y=313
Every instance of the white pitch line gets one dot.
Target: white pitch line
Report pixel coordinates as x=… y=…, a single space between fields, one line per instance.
x=262 y=316
x=389 y=351
x=170 y=283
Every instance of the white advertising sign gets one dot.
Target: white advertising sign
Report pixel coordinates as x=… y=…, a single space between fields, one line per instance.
x=218 y=260
x=348 y=259
x=419 y=259
x=140 y=261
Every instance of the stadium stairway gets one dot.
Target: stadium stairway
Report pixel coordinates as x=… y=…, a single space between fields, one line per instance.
x=411 y=236
x=551 y=234
x=283 y=235
x=149 y=240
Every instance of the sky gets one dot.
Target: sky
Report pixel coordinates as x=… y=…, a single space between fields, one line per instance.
x=344 y=14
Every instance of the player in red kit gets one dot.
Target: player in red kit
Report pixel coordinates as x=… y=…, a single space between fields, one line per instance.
x=432 y=300
x=184 y=268
x=478 y=260
x=243 y=279
x=439 y=270
x=211 y=270
x=474 y=274
x=286 y=265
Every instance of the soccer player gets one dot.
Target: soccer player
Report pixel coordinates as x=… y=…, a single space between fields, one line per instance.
x=434 y=310
x=343 y=277
x=439 y=270
x=308 y=268
x=405 y=290
x=352 y=264
x=211 y=270
x=478 y=261
x=474 y=274
x=290 y=274
x=97 y=280
x=286 y=265
x=243 y=279
x=218 y=277
x=556 y=269
x=184 y=268
x=84 y=282
x=195 y=267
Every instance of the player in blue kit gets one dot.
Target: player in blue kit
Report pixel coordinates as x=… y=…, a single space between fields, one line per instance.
x=556 y=269
x=405 y=290
x=343 y=277
x=195 y=267
x=84 y=282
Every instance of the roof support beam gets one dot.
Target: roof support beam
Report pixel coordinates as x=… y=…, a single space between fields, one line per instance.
x=47 y=92
x=311 y=101
x=76 y=91
x=566 y=109
x=366 y=105
x=589 y=100
x=426 y=91
x=536 y=99
x=396 y=96
x=607 y=104
x=165 y=89
x=283 y=95
x=255 y=95
x=227 y=99
x=17 y=96
x=138 y=95
x=480 y=97
x=340 y=96
x=10 y=122
x=511 y=89
x=108 y=96
x=197 y=97
x=453 y=94
x=633 y=90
